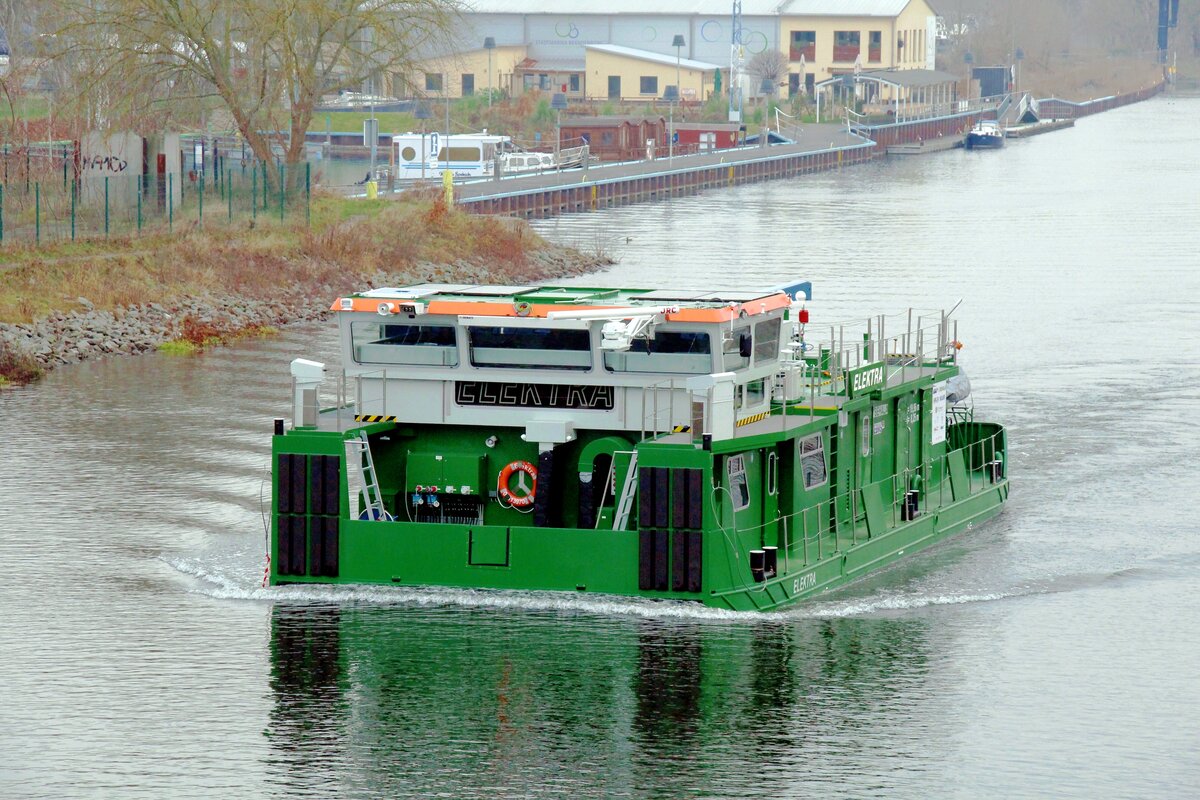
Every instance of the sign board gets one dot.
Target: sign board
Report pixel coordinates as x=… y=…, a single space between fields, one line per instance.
x=864 y=380
x=198 y=156
x=937 y=428
x=534 y=395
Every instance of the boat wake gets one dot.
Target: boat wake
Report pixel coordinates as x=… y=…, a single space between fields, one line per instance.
x=212 y=581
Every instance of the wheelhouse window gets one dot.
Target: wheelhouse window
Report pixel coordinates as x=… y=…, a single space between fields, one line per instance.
x=734 y=354
x=530 y=348
x=648 y=84
x=766 y=341
x=688 y=352
x=387 y=343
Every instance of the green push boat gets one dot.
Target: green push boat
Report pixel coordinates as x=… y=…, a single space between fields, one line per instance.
x=703 y=445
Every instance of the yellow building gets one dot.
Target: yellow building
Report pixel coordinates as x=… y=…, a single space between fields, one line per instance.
x=467 y=73
x=615 y=72
x=623 y=49
x=823 y=38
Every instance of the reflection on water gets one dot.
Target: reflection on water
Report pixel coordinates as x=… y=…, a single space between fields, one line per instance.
x=1050 y=653
x=412 y=702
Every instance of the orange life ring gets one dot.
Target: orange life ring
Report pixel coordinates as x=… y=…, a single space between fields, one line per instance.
x=519 y=467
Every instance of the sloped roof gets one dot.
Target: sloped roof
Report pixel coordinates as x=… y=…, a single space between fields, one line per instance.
x=646 y=55
x=714 y=8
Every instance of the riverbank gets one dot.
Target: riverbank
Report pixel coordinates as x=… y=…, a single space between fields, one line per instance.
x=62 y=305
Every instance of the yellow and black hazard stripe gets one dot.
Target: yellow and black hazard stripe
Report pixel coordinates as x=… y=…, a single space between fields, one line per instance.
x=753 y=418
x=681 y=429
x=373 y=418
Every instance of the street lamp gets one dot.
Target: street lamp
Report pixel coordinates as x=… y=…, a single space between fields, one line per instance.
x=671 y=95
x=423 y=113
x=489 y=44
x=677 y=43
x=558 y=102
x=767 y=89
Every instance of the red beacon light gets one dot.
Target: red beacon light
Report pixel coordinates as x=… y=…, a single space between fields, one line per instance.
x=802 y=315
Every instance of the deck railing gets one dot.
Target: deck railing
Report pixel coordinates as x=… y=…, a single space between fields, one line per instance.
x=814 y=533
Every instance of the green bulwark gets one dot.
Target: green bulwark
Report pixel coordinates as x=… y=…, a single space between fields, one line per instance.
x=837 y=471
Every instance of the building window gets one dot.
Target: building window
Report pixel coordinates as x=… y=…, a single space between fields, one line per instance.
x=573 y=83
x=875 y=46
x=468 y=84
x=804 y=43
x=648 y=84
x=433 y=81
x=606 y=137
x=544 y=82
x=845 y=45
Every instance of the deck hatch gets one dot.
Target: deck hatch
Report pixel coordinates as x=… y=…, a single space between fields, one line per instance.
x=488 y=546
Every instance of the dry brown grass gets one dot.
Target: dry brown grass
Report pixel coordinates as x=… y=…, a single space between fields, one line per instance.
x=348 y=241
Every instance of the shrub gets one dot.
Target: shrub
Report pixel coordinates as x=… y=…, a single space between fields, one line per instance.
x=17 y=366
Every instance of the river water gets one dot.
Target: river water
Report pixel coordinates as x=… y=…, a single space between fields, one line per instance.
x=1051 y=653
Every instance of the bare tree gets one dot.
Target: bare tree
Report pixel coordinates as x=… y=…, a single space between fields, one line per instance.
x=267 y=61
x=769 y=65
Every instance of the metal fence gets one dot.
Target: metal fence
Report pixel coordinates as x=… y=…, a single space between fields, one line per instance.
x=48 y=200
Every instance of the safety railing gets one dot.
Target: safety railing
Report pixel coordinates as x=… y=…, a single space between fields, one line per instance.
x=828 y=527
x=923 y=340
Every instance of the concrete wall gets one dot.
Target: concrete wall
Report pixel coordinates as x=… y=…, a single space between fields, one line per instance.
x=115 y=156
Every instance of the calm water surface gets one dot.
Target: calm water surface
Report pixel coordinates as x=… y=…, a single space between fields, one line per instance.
x=1052 y=653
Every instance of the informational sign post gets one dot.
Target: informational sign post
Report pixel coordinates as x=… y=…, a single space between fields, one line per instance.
x=937 y=433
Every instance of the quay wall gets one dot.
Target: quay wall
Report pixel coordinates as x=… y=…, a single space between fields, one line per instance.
x=1057 y=108
x=592 y=195
x=637 y=186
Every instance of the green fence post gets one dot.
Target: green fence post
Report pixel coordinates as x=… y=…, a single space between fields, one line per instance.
x=170 y=202
x=308 y=194
x=228 y=194
x=105 y=206
x=254 y=194
x=200 y=199
x=37 y=211
x=282 y=183
x=72 y=211
x=1 y=213
x=266 y=201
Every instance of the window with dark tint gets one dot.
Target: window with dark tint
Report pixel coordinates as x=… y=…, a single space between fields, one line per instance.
x=459 y=154
x=668 y=351
x=531 y=348
x=766 y=341
x=433 y=81
x=383 y=343
x=649 y=84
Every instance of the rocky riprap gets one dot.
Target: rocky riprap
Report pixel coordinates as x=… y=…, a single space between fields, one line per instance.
x=87 y=333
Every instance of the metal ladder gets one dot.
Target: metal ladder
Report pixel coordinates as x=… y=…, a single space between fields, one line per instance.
x=621 y=518
x=367 y=478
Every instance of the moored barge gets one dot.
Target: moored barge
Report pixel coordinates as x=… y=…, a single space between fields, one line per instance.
x=700 y=445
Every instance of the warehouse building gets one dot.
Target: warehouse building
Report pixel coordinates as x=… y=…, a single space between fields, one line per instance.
x=623 y=51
